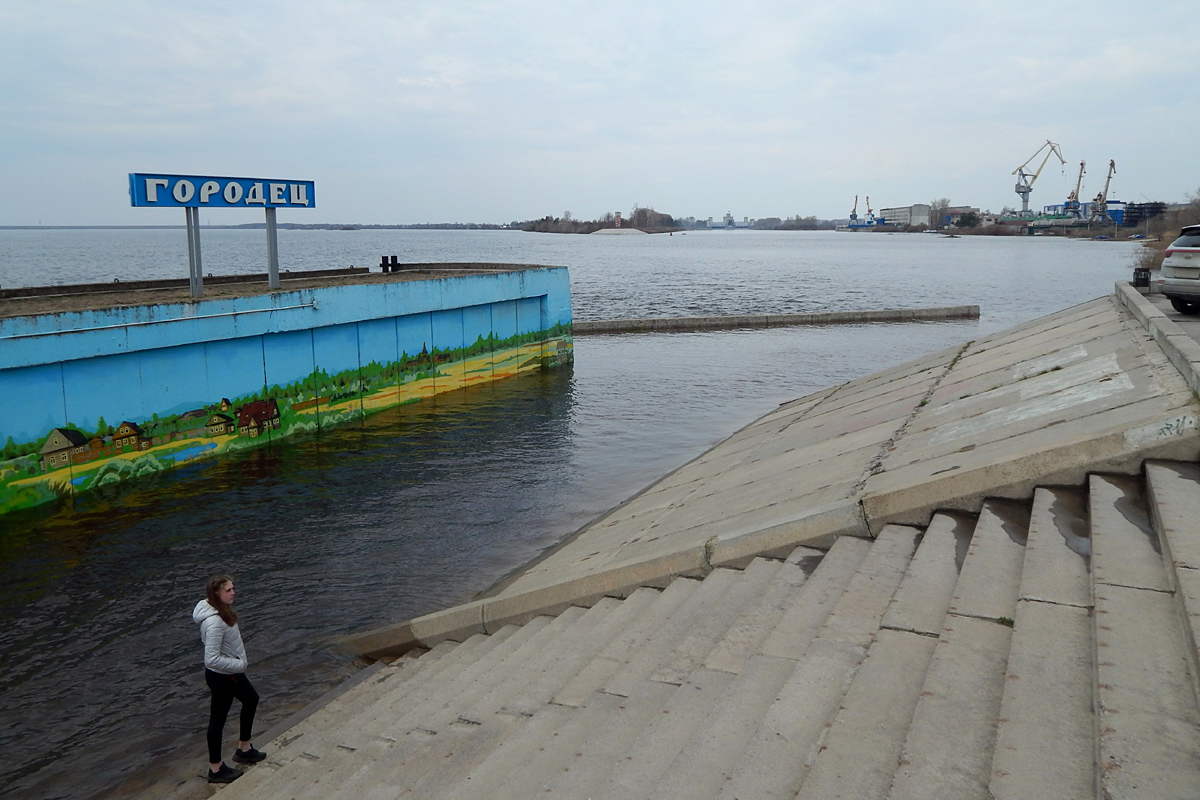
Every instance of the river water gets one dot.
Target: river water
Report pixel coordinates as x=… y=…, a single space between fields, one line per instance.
x=421 y=507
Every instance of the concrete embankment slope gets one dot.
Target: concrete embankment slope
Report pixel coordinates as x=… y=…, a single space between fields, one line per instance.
x=1046 y=403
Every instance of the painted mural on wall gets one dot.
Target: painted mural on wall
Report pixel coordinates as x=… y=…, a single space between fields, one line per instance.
x=223 y=396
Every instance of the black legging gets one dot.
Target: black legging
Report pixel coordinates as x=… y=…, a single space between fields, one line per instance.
x=224 y=689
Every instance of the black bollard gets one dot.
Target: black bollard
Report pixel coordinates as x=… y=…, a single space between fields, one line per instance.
x=383 y=264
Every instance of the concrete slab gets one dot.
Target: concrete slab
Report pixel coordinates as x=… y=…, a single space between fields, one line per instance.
x=990 y=580
x=948 y=748
x=924 y=594
x=1149 y=722
x=1045 y=743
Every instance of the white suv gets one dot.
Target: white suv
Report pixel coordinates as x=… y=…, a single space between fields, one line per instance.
x=1180 y=276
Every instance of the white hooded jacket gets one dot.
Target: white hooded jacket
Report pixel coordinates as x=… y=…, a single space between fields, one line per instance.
x=223 y=648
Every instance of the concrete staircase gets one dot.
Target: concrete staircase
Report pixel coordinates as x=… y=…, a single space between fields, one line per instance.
x=1043 y=649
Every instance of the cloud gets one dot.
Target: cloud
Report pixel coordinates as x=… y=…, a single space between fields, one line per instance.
x=500 y=111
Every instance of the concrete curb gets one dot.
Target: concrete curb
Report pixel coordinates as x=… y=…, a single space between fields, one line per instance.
x=489 y=614
x=665 y=324
x=1182 y=350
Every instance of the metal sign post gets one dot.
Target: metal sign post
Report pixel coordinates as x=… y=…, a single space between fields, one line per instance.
x=272 y=251
x=196 y=271
x=192 y=192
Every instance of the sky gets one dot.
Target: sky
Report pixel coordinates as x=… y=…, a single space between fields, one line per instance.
x=411 y=112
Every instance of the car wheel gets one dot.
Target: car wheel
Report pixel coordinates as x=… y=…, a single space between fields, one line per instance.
x=1185 y=306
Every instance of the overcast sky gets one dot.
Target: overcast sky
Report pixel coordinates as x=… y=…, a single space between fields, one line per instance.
x=408 y=112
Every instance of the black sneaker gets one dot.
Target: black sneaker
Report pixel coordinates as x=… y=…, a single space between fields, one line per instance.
x=250 y=756
x=226 y=774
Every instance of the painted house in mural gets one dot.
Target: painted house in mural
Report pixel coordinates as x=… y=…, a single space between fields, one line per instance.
x=220 y=425
x=194 y=380
x=58 y=450
x=257 y=417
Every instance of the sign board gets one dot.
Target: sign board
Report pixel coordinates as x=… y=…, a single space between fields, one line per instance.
x=198 y=191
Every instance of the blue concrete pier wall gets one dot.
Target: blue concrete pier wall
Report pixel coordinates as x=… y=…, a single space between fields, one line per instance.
x=95 y=397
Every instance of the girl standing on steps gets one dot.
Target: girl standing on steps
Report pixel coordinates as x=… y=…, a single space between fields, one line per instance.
x=225 y=673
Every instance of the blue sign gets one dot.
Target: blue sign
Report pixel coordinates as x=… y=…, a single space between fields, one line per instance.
x=195 y=191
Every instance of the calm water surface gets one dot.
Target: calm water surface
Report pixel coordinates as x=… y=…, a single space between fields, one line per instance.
x=420 y=507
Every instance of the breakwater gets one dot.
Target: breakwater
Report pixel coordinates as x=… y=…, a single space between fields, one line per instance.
x=106 y=392
x=728 y=321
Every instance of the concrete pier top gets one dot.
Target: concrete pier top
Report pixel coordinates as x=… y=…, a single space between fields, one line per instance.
x=1046 y=403
x=30 y=301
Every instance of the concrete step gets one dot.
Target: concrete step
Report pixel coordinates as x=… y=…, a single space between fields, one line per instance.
x=1149 y=720
x=707 y=632
x=709 y=757
x=666 y=735
x=1057 y=553
x=921 y=601
x=1174 y=494
x=858 y=754
x=778 y=754
x=396 y=759
x=351 y=753
x=315 y=754
x=1125 y=547
x=629 y=642
x=948 y=746
x=1046 y=736
x=599 y=741
x=990 y=580
x=801 y=620
x=750 y=629
x=1046 y=739
x=706 y=600
x=552 y=728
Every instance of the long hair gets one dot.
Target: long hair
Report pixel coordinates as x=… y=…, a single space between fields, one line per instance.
x=228 y=615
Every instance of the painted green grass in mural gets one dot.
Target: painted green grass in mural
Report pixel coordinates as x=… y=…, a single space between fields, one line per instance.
x=71 y=459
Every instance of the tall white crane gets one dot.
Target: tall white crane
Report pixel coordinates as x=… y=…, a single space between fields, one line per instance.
x=1099 y=209
x=1025 y=180
x=1071 y=207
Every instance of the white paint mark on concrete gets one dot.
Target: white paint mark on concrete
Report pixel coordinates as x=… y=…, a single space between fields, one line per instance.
x=1077 y=374
x=1158 y=432
x=1036 y=366
x=1029 y=408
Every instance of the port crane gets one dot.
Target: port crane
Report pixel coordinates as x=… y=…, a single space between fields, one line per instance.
x=1099 y=209
x=1071 y=207
x=870 y=214
x=1025 y=180
x=854 y=212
